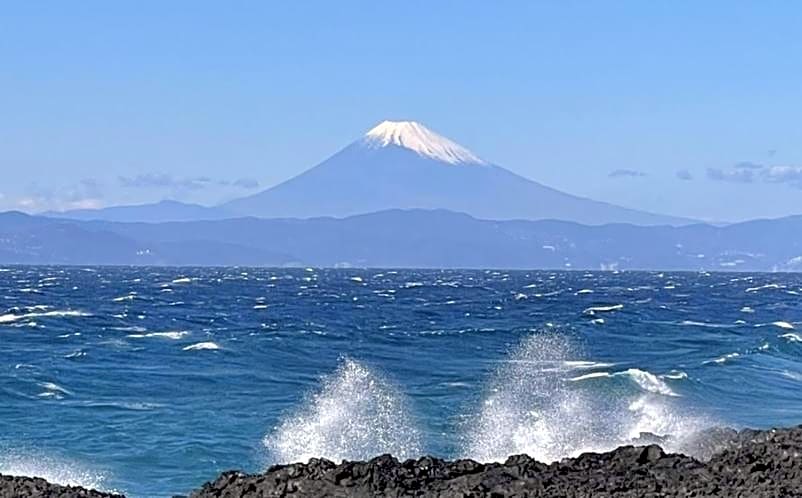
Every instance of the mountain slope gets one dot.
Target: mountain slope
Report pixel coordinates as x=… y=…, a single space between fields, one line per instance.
x=404 y=165
x=157 y=212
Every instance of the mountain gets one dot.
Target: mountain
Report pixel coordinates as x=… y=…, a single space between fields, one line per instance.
x=26 y=239
x=403 y=165
x=157 y=212
x=404 y=239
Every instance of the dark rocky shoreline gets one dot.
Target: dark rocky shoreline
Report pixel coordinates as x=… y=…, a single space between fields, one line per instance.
x=748 y=464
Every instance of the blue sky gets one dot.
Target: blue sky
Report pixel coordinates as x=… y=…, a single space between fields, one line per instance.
x=684 y=108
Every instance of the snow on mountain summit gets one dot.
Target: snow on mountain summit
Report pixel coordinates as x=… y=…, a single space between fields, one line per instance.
x=416 y=137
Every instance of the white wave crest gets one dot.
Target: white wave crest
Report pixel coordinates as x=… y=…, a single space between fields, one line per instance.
x=202 y=346
x=11 y=317
x=603 y=309
x=356 y=415
x=647 y=381
x=723 y=359
x=173 y=334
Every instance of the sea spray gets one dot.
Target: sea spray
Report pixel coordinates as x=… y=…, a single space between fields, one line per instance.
x=15 y=462
x=538 y=404
x=356 y=415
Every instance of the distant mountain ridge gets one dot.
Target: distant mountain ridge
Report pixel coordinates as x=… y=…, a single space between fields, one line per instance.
x=404 y=239
x=166 y=210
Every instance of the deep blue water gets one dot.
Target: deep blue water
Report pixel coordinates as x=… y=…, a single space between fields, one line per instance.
x=152 y=380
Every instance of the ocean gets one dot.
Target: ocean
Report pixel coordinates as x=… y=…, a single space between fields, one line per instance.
x=151 y=381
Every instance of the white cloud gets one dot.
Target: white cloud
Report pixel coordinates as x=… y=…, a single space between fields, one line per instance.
x=626 y=173
x=167 y=181
x=86 y=193
x=748 y=172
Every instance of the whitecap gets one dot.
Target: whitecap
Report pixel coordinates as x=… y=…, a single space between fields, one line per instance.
x=584 y=291
x=201 y=346
x=723 y=359
x=792 y=337
x=173 y=334
x=549 y=294
x=765 y=287
x=783 y=325
x=53 y=390
x=592 y=375
x=133 y=328
x=692 y=323
x=10 y=317
x=603 y=309
x=648 y=381
x=645 y=380
x=585 y=364
x=792 y=375
x=127 y=297
x=181 y=280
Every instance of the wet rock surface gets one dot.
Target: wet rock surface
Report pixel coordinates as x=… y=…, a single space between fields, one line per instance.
x=34 y=487
x=746 y=464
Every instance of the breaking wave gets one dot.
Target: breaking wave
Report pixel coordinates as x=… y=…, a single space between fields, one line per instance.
x=536 y=404
x=542 y=401
x=356 y=415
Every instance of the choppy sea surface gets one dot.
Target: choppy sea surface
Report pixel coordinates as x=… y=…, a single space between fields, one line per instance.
x=150 y=381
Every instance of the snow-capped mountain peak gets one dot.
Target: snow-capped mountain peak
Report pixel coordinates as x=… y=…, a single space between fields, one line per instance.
x=416 y=137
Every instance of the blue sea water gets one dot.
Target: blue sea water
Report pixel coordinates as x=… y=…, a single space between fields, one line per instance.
x=151 y=381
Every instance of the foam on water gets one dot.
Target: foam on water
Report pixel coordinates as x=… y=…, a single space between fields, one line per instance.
x=356 y=415
x=531 y=407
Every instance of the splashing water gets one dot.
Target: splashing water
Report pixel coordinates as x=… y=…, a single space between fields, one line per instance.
x=54 y=470
x=355 y=416
x=536 y=404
